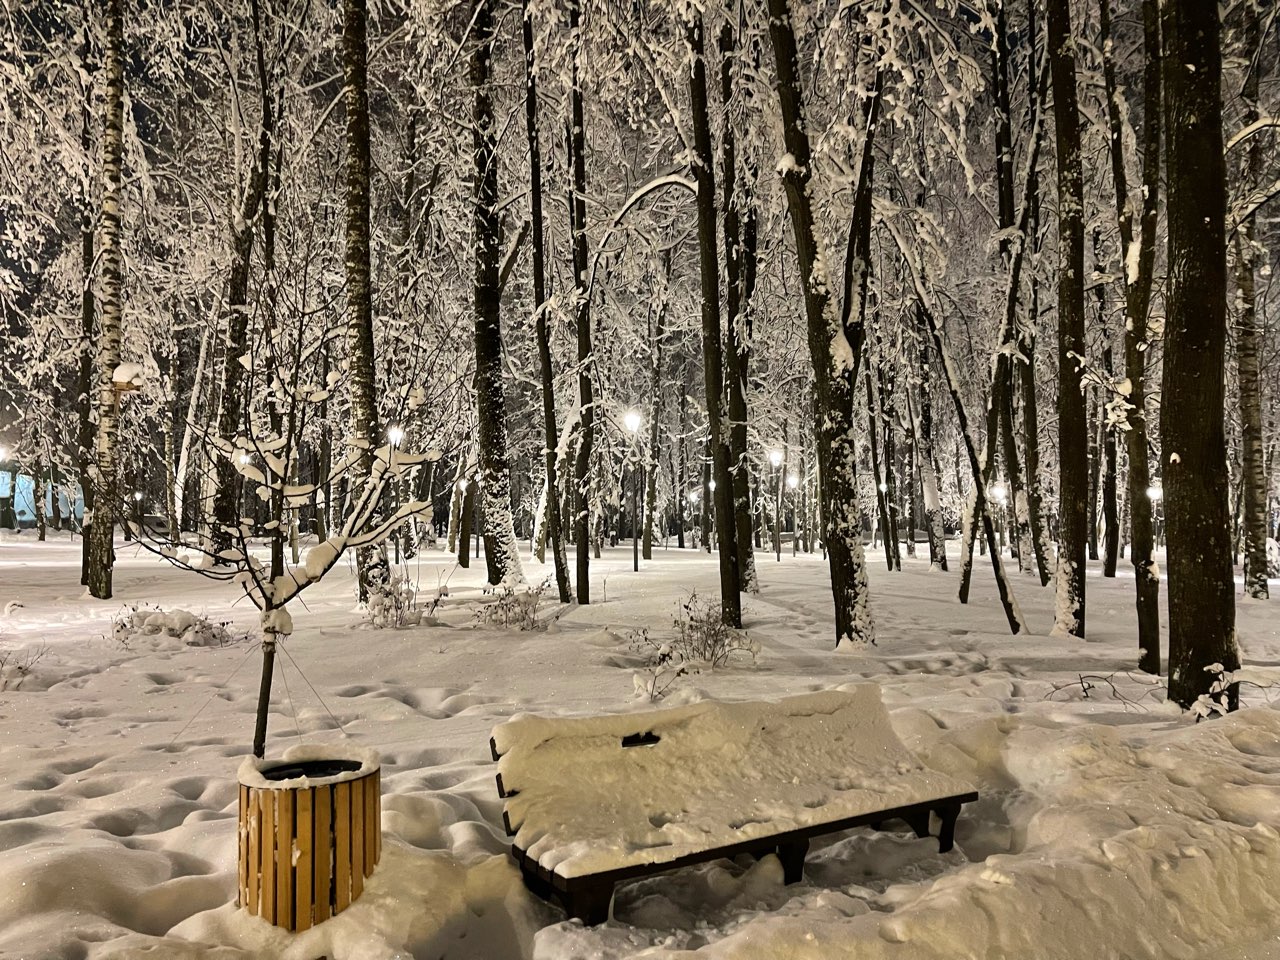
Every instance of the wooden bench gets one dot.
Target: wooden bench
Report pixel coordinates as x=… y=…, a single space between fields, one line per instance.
x=593 y=801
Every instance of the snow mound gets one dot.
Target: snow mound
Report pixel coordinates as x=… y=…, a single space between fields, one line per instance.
x=152 y=629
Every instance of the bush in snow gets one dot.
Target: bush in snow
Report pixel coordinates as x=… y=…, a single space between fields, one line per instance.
x=157 y=629
x=663 y=666
x=702 y=637
x=392 y=597
x=512 y=607
x=16 y=667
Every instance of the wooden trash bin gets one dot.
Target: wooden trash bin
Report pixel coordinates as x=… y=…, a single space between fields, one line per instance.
x=310 y=833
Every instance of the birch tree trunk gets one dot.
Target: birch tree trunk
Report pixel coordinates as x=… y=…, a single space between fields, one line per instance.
x=84 y=399
x=713 y=373
x=106 y=496
x=549 y=427
x=1073 y=475
x=1193 y=441
x=833 y=376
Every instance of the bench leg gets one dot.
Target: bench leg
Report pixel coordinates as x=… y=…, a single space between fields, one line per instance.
x=590 y=904
x=918 y=822
x=792 y=856
x=947 y=835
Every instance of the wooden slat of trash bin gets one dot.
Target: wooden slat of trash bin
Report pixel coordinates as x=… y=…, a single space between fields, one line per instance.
x=306 y=850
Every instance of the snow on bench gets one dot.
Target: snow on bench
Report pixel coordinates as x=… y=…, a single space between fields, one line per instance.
x=595 y=800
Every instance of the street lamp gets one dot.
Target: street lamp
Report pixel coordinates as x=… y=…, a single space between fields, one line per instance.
x=632 y=421
x=775 y=458
x=1155 y=493
x=395 y=435
x=1000 y=493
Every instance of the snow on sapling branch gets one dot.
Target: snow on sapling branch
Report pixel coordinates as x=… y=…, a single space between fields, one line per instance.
x=1224 y=692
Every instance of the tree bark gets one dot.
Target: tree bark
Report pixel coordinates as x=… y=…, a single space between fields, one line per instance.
x=1193 y=441
x=713 y=373
x=1247 y=343
x=923 y=424
x=1073 y=477
x=228 y=491
x=833 y=376
x=655 y=415
x=1138 y=281
x=84 y=399
x=106 y=495
x=739 y=255
x=549 y=428
x=582 y=300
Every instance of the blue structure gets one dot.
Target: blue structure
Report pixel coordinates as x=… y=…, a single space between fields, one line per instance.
x=25 y=502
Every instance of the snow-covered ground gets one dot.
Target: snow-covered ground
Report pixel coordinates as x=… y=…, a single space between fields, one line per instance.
x=1109 y=824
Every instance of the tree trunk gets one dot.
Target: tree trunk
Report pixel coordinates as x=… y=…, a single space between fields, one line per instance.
x=878 y=474
x=739 y=272
x=365 y=432
x=84 y=399
x=713 y=374
x=228 y=490
x=501 y=553
x=1073 y=477
x=1247 y=344
x=582 y=300
x=1110 y=509
x=550 y=430
x=655 y=414
x=924 y=446
x=1201 y=598
x=1138 y=281
x=106 y=496
x=833 y=376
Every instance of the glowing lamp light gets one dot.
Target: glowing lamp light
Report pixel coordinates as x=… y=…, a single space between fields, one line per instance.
x=462 y=484
x=712 y=486
x=395 y=435
x=884 y=488
x=1000 y=493
x=244 y=458
x=693 y=496
x=793 y=481
x=632 y=420
x=1155 y=493
x=775 y=457
x=137 y=495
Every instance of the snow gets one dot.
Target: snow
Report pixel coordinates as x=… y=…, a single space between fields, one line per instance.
x=720 y=773
x=251 y=769
x=1109 y=824
x=129 y=373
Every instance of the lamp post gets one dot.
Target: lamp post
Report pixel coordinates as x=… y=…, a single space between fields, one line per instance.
x=1155 y=494
x=395 y=437
x=792 y=482
x=632 y=421
x=1000 y=493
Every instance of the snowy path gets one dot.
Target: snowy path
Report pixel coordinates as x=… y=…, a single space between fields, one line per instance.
x=116 y=838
